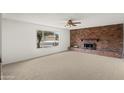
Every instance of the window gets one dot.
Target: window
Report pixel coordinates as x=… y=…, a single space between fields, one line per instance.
x=47 y=39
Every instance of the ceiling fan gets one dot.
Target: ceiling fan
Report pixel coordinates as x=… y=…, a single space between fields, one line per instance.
x=70 y=23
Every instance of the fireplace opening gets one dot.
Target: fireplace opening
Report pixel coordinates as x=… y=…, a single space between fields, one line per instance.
x=90 y=46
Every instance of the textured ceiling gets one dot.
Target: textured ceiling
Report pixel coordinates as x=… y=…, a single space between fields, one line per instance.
x=59 y=19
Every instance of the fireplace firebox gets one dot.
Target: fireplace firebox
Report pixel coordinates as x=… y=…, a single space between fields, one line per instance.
x=90 y=46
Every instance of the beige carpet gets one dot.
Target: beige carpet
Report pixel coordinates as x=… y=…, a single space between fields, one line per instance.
x=66 y=66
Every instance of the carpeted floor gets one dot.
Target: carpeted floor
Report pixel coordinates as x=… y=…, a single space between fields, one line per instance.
x=66 y=66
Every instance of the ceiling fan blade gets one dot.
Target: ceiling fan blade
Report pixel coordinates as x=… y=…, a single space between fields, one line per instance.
x=76 y=22
x=74 y=25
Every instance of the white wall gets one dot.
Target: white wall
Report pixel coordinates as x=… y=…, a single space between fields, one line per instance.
x=0 y=34
x=19 y=41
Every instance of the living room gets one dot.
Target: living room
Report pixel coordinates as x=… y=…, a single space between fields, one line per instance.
x=80 y=46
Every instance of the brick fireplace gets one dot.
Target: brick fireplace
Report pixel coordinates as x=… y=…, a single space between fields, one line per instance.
x=103 y=40
x=88 y=44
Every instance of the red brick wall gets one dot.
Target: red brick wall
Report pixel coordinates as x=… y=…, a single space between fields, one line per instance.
x=110 y=37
